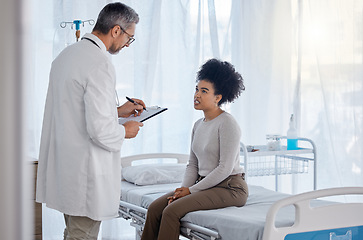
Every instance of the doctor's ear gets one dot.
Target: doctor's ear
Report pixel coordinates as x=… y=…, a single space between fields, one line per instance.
x=115 y=31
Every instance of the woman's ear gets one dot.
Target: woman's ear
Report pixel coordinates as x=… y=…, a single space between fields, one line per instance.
x=218 y=98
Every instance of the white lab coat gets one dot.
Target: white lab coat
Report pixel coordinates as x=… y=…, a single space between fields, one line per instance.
x=79 y=170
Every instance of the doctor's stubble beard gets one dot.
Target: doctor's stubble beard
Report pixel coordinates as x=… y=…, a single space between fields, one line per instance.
x=113 y=50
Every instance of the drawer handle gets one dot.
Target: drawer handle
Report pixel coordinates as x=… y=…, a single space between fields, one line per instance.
x=347 y=236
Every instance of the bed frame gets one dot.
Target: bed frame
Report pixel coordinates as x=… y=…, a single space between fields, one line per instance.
x=338 y=221
x=137 y=214
x=179 y=157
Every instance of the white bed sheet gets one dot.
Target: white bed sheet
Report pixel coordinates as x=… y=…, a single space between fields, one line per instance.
x=143 y=195
x=242 y=223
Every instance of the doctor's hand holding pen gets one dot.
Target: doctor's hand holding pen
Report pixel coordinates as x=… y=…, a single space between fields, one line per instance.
x=132 y=106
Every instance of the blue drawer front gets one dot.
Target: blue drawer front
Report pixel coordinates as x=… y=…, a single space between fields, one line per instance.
x=350 y=233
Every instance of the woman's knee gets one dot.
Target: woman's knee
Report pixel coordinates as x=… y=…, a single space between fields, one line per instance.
x=158 y=205
x=172 y=211
x=155 y=209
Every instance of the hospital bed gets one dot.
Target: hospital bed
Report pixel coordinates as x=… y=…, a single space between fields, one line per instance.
x=266 y=215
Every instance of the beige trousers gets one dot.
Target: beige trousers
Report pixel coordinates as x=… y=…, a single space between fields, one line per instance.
x=163 y=220
x=80 y=228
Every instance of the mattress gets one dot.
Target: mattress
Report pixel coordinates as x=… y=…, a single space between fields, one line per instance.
x=247 y=222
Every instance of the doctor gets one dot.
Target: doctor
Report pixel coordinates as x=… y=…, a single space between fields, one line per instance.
x=79 y=172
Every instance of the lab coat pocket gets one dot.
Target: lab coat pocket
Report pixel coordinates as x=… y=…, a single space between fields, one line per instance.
x=101 y=162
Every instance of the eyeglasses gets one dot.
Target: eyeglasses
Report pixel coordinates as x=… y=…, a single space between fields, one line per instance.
x=131 y=38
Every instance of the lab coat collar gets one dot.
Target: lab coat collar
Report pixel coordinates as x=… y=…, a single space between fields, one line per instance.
x=99 y=42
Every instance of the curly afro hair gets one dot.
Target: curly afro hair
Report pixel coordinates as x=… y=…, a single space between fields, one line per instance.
x=225 y=79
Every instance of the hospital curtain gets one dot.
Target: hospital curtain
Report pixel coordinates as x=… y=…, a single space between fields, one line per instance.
x=302 y=57
x=331 y=88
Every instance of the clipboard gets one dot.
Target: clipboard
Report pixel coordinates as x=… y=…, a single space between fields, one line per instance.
x=145 y=115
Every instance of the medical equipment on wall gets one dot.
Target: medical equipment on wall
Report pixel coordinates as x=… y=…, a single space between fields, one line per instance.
x=64 y=36
x=77 y=24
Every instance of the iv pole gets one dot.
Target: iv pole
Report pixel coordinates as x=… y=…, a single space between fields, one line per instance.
x=77 y=23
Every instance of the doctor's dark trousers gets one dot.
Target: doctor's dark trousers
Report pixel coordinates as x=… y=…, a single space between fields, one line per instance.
x=163 y=220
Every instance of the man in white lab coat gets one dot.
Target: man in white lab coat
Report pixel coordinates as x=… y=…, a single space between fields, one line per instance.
x=79 y=171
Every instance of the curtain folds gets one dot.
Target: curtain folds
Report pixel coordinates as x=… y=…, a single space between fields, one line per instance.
x=301 y=57
x=331 y=88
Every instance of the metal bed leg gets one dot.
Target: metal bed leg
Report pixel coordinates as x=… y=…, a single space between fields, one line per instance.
x=138 y=234
x=138 y=230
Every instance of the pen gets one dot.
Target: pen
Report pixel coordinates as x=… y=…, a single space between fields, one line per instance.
x=129 y=99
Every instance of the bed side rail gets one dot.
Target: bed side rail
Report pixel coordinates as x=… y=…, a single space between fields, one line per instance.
x=180 y=157
x=197 y=232
x=307 y=218
x=138 y=217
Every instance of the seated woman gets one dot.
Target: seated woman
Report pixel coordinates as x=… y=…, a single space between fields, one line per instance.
x=213 y=177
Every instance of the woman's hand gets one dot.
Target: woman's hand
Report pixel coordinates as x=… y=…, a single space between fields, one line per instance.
x=179 y=193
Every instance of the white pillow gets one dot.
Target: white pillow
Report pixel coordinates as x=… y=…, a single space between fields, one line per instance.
x=149 y=174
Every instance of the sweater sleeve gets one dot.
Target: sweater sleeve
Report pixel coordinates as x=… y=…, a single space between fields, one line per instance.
x=191 y=172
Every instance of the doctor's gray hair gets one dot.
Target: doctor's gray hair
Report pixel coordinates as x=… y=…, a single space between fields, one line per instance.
x=115 y=14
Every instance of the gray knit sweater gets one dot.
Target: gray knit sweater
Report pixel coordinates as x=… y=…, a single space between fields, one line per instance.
x=214 y=152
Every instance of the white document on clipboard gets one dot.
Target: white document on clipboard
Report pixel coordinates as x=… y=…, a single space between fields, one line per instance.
x=145 y=115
